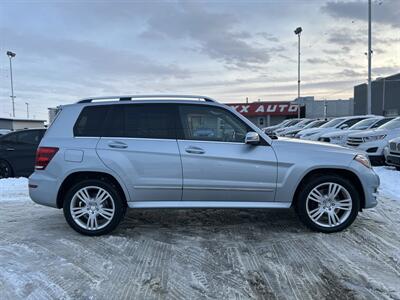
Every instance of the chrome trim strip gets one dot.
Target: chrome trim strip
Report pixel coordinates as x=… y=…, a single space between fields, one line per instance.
x=207 y=204
x=161 y=187
x=212 y=188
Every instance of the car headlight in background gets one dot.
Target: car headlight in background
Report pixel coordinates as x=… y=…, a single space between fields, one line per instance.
x=337 y=137
x=364 y=160
x=374 y=138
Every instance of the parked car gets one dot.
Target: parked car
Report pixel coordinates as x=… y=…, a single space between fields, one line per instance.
x=313 y=124
x=299 y=125
x=100 y=157
x=4 y=131
x=286 y=123
x=393 y=154
x=338 y=123
x=17 y=152
x=339 y=137
x=374 y=141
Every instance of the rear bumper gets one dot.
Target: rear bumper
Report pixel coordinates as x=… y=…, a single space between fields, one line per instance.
x=43 y=189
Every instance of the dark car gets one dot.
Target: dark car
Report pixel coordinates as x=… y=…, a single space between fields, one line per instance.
x=18 y=151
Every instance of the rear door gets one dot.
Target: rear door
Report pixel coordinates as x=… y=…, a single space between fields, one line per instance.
x=139 y=144
x=217 y=164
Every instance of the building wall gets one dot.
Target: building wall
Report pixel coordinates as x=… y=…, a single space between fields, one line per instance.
x=6 y=124
x=385 y=96
x=19 y=124
x=334 y=108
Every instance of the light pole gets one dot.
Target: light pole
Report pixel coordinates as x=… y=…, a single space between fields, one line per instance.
x=27 y=110
x=298 y=33
x=369 y=60
x=10 y=56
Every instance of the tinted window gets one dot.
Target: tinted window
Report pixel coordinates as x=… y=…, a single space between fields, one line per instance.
x=381 y=122
x=155 y=121
x=9 y=138
x=132 y=120
x=90 y=121
x=211 y=124
x=332 y=123
x=31 y=137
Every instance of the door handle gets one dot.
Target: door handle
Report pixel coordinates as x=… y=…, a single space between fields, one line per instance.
x=117 y=145
x=194 y=150
x=10 y=149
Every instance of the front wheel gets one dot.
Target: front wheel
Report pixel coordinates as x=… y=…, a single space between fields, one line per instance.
x=5 y=169
x=328 y=203
x=93 y=207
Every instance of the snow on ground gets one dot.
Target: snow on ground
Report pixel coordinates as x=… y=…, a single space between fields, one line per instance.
x=14 y=189
x=390 y=182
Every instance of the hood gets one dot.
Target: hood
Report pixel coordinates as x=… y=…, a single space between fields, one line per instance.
x=339 y=132
x=306 y=145
x=369 y=132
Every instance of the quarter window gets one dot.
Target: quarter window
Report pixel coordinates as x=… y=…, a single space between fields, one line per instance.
x=208 y=123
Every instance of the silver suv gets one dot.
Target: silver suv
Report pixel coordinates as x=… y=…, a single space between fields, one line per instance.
x=103 y=155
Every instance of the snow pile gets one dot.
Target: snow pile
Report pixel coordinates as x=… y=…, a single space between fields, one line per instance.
x=390 y=182
x=14 y=189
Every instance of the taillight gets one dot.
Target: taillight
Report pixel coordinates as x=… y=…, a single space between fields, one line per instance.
x=44 y=156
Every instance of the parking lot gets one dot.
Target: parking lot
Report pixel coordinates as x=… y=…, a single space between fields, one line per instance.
x=186 y=254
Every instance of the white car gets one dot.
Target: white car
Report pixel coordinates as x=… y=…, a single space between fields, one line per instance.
x=299 y=125
x=283 y=124
x=339 y=137
x=374 y=141
x=333 y=125
x=314 y=124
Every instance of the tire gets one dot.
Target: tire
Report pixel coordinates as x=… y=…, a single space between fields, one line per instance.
x=318 y=213
x=6 y=170
x=398 y=168
x=93 y=199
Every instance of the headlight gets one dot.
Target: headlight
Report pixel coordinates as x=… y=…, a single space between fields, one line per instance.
x=364 y=160
x=337 y=137
x=374 y=138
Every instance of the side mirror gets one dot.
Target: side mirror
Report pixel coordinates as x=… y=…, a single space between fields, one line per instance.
x=252 y=138
x=344 y=126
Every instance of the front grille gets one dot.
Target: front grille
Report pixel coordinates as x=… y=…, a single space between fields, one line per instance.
x=394 y=147
x=354 y=141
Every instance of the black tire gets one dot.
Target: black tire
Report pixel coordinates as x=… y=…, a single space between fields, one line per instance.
x=6 y=170
x=398 y=168
x=309 y=185
x=118 y=200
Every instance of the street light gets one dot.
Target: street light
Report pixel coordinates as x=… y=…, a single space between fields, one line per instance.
x=10 y=56
x=298 y=33
x=369 y=93
x=27 y=110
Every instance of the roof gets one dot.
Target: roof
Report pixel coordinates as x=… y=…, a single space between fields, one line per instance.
x=24 y=120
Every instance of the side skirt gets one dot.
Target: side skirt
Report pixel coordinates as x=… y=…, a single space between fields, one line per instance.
x=207 y=204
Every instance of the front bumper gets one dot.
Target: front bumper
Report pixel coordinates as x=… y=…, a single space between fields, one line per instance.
x=393 y=159
x=370 y=182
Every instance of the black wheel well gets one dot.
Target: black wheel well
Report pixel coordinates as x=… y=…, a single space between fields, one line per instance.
x=341 y=172
x=79 y=176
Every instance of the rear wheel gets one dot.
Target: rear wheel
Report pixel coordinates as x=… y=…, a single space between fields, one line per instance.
x=5 y=169
x=93 y=207
x=328 y=203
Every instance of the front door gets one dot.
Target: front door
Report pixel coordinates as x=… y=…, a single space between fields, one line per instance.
x=217 y=164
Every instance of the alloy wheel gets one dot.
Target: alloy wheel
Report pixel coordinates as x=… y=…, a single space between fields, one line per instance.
x=329 y=204
x=92 y=208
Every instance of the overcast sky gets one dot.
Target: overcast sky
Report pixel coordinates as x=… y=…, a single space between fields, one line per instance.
x=67 y=50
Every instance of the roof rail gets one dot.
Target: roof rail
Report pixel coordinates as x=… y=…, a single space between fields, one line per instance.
x=138 y=97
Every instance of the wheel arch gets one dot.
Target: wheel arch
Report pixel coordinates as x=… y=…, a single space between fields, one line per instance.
x=75 y=177
x=332 y=171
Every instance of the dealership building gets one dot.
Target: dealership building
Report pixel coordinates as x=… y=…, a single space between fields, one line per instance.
x=385 y=96
x=267 y=113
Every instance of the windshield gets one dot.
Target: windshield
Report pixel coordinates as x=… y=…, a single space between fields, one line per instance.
x=364 y=124
x=333 y=123
x=395 y=123
x=314 y=124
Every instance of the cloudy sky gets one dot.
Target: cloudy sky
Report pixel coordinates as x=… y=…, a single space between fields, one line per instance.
x=228 y=50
